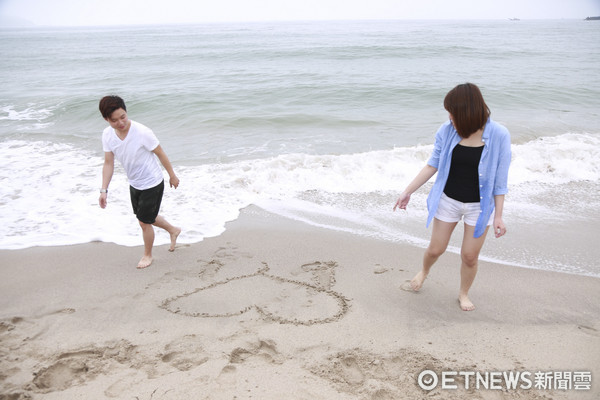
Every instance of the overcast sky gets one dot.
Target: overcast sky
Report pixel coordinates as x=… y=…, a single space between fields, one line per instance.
x=119 y=12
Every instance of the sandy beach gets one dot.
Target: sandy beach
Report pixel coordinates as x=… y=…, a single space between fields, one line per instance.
x=274 y=309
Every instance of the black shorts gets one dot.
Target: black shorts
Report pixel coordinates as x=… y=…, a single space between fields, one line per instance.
x=146 y=203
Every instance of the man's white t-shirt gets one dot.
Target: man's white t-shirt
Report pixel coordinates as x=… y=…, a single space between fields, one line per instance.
x=135 y=154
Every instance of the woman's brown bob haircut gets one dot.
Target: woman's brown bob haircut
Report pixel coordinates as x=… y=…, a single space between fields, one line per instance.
x=467 y=108
x=109 y=104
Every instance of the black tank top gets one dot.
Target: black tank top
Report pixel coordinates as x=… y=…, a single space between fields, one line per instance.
x=463 y=181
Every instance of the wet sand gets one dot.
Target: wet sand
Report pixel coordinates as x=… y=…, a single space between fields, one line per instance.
x=275 y=309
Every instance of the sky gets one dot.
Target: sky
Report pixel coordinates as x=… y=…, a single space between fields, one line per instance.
x=133 y=12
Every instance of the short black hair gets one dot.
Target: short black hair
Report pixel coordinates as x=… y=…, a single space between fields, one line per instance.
x=109 y=104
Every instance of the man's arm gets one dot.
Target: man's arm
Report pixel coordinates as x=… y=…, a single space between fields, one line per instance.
x=164 y=160
x=107 y=172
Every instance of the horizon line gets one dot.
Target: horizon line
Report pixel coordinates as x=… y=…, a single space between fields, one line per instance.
x=20 y=23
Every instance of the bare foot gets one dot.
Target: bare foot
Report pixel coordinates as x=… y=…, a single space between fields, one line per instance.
x=417 y=281
x=174 y=236
x=465 y=303
x=145 y=262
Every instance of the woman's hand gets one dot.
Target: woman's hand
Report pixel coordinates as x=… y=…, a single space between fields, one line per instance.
x=423 y=176
x=402 y=201
x=499 y=227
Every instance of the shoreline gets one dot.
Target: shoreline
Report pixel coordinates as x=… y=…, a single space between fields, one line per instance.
x=317 y=312
x=304 y=186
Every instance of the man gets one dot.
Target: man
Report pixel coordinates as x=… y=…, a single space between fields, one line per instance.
x=135 y=145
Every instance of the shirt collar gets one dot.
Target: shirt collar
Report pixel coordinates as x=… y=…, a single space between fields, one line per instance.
x=486 y=131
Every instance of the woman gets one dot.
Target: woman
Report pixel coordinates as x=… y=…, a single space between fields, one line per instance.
x=471 y=155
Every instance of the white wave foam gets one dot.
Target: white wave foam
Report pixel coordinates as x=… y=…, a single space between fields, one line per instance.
x=49 y=192
x=556 y=160
x=31 y=113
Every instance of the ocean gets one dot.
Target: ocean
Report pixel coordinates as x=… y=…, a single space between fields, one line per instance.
x=320 y=122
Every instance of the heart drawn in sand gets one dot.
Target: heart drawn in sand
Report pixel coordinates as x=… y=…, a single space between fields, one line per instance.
x=274 y=298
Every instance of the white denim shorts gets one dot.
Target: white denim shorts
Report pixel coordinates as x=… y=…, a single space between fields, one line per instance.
x=450 y=210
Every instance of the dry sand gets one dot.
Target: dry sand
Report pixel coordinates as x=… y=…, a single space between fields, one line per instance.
x=274 y=309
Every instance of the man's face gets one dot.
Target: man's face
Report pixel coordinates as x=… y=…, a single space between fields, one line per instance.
x=118 y=120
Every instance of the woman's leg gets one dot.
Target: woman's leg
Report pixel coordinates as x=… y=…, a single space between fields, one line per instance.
x=440 y=236
x=469 y=254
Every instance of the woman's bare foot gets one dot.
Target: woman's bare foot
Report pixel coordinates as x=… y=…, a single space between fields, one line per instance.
x=144 y=262
x=465 y=303
x=174 y=236
x=418 y=280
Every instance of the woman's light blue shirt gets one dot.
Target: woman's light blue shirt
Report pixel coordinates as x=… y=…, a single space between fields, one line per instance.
x=493 y=168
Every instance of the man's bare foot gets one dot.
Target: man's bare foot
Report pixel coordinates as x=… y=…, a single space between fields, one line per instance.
x=465 y=303
x=174 y=236
x=145 y=262
x=417 y=281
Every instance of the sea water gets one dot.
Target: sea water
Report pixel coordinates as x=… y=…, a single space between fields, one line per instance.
x=321 y=122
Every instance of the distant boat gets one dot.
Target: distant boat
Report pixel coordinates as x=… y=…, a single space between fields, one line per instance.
x=592 y=19
x=514 y=19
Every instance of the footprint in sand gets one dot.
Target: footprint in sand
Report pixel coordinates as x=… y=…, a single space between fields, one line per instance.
x=589 y=330
x=323 y=273
x=265 y=350
x=184 y=354
x=259 y=351
x=79 y=366
x=379 y=269
x=274 y=298
x=67 y=371
x=406 y=286
x=375 y=376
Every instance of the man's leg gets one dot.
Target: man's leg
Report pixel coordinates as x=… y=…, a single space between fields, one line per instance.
x=174 y=231
x=148 y=235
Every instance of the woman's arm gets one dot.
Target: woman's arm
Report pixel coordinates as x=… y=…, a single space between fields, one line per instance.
x=501 y=183
x=499 y=227
x=422 y=177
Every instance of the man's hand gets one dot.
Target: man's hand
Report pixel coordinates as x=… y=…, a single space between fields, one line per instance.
x=174 y=182
x=102 y=200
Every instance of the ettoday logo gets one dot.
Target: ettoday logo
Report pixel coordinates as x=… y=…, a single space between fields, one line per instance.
x=505 y=380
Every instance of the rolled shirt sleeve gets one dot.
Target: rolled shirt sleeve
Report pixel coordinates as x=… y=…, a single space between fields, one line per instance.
x=434 y=159
x=504 y=158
